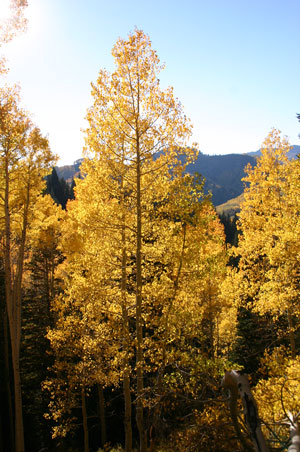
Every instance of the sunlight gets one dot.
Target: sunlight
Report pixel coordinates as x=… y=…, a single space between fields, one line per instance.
x=22 y=42
x=4 y=10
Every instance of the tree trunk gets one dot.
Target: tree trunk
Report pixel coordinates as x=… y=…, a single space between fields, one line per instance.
x=101 y=401
x=154 y=429
x=8 y=381
x=127 y=417
x=294 y=435
x=19 y=430
x=139 y=325
x=84 y=420
x=126 y=338
x=211 y=322
x=13 y=303
x=238 y=384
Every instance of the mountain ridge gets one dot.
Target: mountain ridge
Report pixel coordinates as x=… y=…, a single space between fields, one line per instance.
x=223 y=173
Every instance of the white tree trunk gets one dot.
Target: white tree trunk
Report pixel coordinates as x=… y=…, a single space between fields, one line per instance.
x=294 y=435
x=238 y=384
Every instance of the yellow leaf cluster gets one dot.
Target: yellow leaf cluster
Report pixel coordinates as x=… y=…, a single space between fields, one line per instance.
x=269 y=250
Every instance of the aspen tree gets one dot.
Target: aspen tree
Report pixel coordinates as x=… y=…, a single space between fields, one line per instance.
x=268 y=274
x=278 y=394
x=139 y=238
x=182 y=242
x=24 y=160
x=131 y=120
x=85 y=336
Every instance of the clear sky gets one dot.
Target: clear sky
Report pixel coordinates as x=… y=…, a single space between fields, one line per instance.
x=234 y=65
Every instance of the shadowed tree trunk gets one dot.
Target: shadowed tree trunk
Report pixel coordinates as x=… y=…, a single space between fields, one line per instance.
x=84 y=420
x=7 y=380
x=101 y=401
x=13 y=282
x=126 y=335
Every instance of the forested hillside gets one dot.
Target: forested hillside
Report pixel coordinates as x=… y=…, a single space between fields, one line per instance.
x=129 y=324
x=223 y=174
x=68 y=172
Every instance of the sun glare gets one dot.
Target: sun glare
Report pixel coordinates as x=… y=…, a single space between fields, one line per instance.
x=23 y=42
x=4 y=9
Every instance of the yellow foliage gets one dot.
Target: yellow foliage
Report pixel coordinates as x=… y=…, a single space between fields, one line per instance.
x=144 y=248
x=269 y=246
x=278 y=396
x=210 y=431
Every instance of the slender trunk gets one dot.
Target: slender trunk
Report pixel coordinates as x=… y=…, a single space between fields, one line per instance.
x=7 y=379
x=294 y=435
x=139 y=325
x=47 y=284
x=126 y=339
x=13 y=303
x=84 y=420
x=19 y=430
x=171 y=303
x=101 y=402
x=127 y=417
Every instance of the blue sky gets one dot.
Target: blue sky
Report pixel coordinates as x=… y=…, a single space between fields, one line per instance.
x=234 y=65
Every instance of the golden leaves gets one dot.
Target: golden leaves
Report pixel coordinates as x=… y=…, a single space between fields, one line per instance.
x=278 y=395
x=136 y=216
x=129 y=108
x=269 y=250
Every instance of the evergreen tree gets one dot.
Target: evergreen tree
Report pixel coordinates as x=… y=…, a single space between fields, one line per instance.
x=230 y=228
x=41 y=287
x=59 y=189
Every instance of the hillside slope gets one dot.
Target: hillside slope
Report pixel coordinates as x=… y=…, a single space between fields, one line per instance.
x=222 y=173
x=68 y=172
x=231 y=207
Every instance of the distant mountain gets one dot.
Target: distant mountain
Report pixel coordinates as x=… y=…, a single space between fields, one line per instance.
x=68 y=172
x=232 y=206
x=223 y=173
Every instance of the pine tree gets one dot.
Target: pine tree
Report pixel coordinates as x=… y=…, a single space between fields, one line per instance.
x=40 y=286
x=59 y=189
